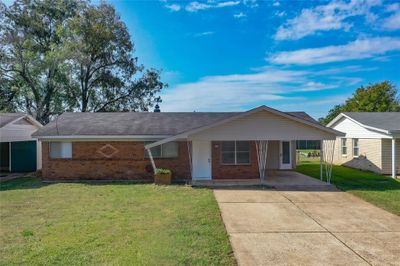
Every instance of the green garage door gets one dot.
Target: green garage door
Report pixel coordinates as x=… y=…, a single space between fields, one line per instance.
x=23 y=156
x=5 y=156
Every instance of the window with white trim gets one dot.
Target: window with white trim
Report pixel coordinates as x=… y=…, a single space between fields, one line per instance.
x=344 y=146
x=60 y=150
x=356 y=150
x=235 y=152
x=166 y=150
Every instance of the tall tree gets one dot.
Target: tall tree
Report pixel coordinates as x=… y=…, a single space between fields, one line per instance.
x=108 y=77
x=68 y=55
x=378 y=97
x=32 y=62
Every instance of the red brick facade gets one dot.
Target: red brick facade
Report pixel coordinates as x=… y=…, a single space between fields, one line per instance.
x=125 y=160
x=221 y=171
x=111 y=160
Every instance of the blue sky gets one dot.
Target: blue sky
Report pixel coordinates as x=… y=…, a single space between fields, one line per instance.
x=233 y=55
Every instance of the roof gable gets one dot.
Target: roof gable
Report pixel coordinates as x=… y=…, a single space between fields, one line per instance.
x=17 y=119
x=354 y=129
x=327 y=132
x=384 y=122
x=264 y=125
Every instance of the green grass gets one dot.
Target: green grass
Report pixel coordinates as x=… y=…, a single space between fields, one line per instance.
x=379 y=190
x=113 y=224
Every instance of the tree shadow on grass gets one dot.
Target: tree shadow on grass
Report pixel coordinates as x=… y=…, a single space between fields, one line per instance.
x=22 y=183
x=36 y=182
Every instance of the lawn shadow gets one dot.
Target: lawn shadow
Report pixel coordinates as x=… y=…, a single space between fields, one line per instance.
x=36 y=182
x=22 y=183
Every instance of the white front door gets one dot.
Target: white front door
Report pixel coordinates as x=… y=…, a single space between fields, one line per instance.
x=285 y=155
x=201 y=158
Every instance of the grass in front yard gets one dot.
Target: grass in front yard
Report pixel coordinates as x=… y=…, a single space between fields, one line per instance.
x=379 y=190
x=117 y=223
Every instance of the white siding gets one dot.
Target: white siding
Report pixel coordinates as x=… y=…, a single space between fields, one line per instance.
x=262 y=125
x=370 y=154
x=17 y=131
x=354 y=130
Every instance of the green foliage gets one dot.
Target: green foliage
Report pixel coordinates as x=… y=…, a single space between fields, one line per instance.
x=378 y=97
x=110 y=224
x=162 y=171
x=69 y=55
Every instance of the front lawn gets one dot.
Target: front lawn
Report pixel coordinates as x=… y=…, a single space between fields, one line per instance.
x=117 y=223
x=379 y=190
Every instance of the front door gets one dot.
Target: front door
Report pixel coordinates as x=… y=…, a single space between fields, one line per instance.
x=285 y=155
x=201 y=158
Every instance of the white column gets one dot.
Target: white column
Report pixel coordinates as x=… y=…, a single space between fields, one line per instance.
x=393 y=157
x=321 y=170
x=152 y=160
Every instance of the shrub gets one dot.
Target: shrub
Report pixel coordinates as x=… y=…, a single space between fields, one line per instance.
x=162 y=171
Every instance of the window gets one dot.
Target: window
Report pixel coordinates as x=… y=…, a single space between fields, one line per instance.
x=60 y=150
x=235 y=152
x=356 y=150
x=344 y=147
x=167 y=150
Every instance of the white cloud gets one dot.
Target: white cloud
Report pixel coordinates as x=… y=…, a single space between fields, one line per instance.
x=359 y=49
x=239 y=15
x=331 y=16
x=276 y=3
x=173 y=7
x=280 y=14
x=228 y=3
x=197 y=6
x=393 y=21
x=205 y=33
x=232 y=92
x=250 y=3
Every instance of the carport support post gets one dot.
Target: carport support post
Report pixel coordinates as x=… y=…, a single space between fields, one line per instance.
x=393 y=157
x=321 y=168
x=152 y=160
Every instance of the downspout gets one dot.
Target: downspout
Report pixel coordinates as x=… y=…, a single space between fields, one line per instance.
x=394 y=174
x=189 y=147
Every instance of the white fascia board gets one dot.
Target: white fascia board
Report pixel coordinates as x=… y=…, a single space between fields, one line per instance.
x=333 y=121
x=100 y=137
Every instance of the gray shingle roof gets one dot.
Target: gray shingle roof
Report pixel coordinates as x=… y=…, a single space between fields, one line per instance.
x=135 y=123
x=389 y=121
x=6 y=118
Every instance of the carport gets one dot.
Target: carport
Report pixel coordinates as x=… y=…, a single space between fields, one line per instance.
x=253 y=143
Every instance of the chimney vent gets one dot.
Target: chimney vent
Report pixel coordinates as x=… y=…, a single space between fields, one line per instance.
x=157 y=109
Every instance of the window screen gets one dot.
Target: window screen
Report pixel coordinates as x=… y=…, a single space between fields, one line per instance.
x=228 y=152
x=344 y=147
x=62 y=150
x=167 y=150
x=356 y=150
x=235 y=152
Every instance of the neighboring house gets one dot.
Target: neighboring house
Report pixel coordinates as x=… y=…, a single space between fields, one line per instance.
x=19 y=152
x=194 y=145
x=372 y=141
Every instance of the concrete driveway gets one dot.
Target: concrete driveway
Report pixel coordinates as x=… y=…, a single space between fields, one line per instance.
x=314 y=226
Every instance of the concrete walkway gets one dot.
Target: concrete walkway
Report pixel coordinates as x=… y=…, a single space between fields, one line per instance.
x=312 y=226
